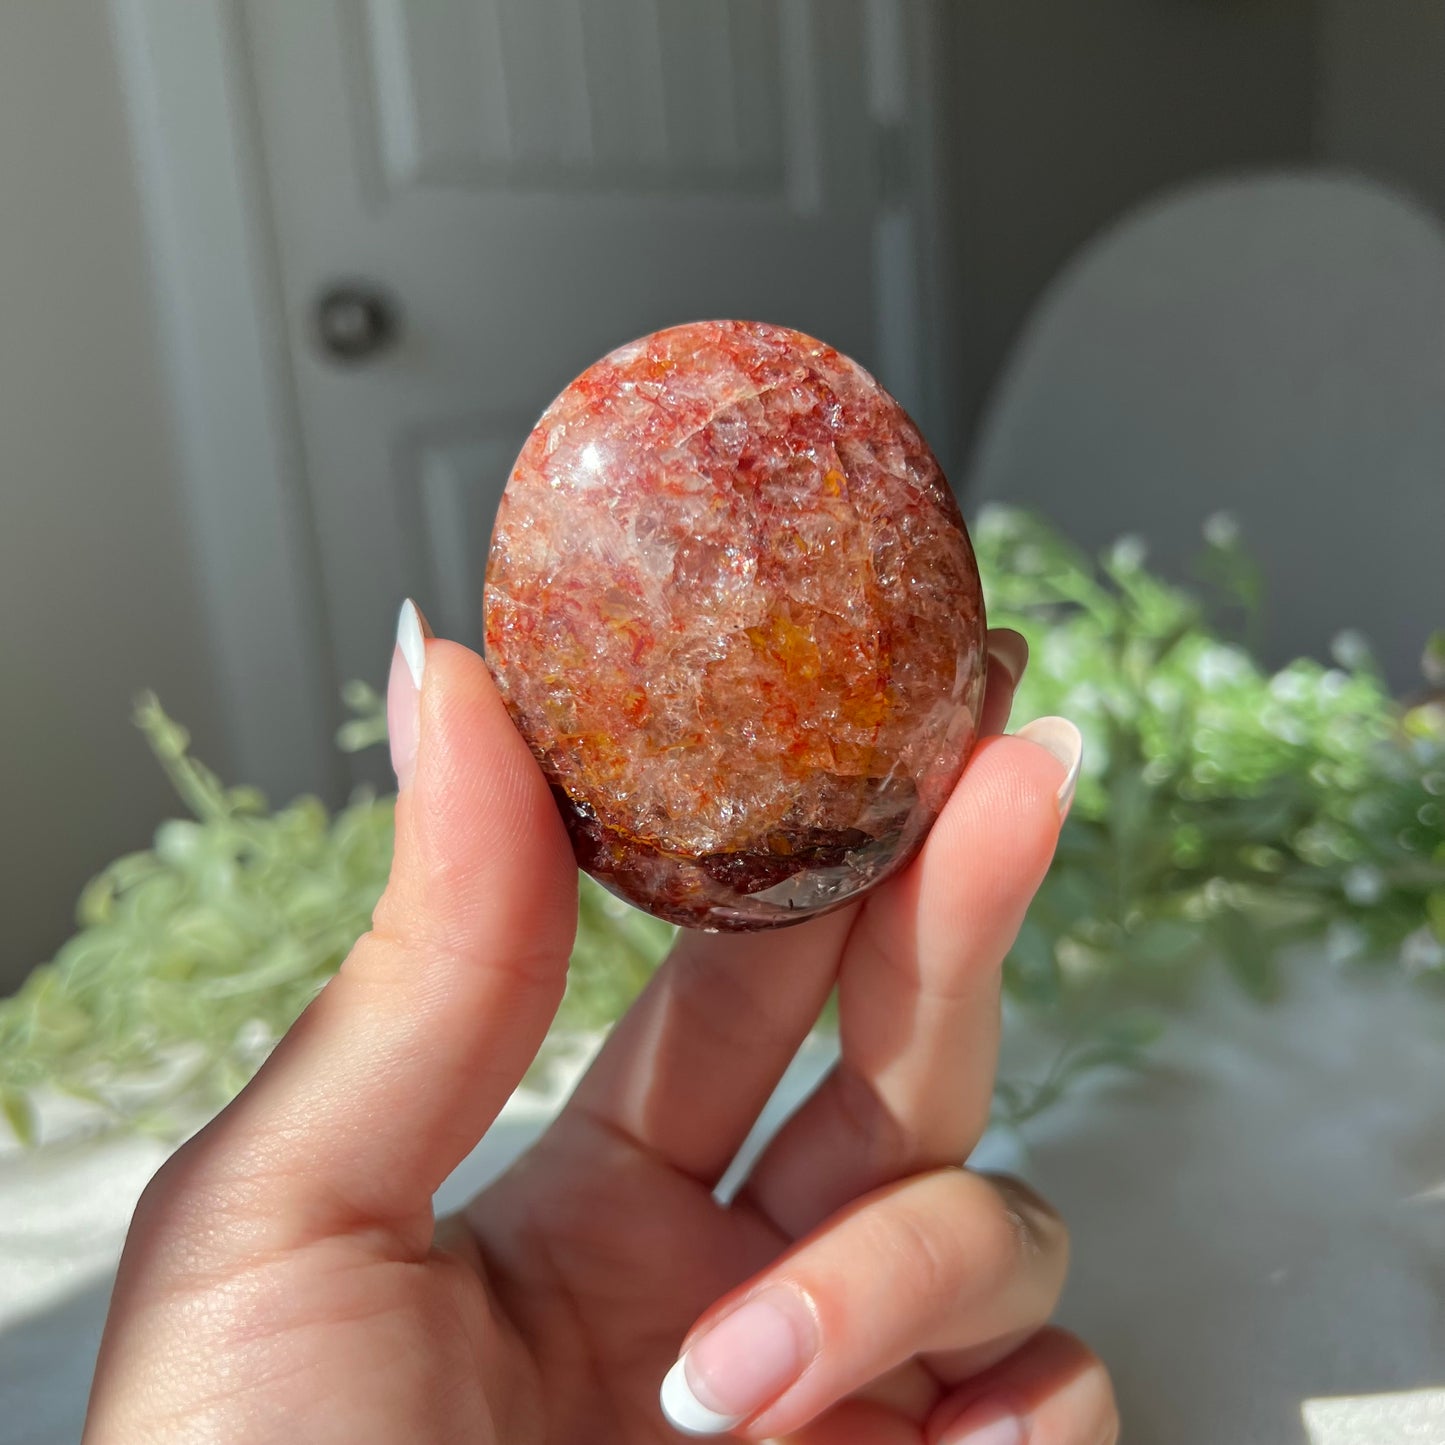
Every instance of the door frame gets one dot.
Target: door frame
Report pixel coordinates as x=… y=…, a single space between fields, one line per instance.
x=216 y=293
x=222 y=331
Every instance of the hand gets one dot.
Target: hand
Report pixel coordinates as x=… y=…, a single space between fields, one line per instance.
x=284 y=1278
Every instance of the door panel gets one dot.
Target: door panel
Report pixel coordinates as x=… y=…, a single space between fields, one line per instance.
x=638 y=93
x=457 y=480
x=535 y=182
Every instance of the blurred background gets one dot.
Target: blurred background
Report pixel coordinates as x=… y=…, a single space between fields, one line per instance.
x=283 y=285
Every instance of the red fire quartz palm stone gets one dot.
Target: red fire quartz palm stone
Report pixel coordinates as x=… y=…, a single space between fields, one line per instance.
x=731 y=605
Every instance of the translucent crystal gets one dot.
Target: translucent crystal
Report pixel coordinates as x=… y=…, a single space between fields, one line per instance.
x=732 y=607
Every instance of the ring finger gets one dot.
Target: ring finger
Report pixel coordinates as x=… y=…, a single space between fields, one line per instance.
x=918 y=997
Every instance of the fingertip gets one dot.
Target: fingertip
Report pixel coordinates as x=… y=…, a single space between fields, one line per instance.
x=1008 y=656
x=1009 y=650
x=992 y=844
x=1063 y=741
x=1008 y=791
x=480 y=843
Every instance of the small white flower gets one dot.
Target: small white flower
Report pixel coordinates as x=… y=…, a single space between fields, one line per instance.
x=1163 y=692
x=1128 y=553
x=1364 y=886
x=1221 y=530
x=1344 y=941
x=994 y=520
x=1351 y=649
x=1289 y=686
x=1421 y=953
x=1221 y=666
x=1284 y=725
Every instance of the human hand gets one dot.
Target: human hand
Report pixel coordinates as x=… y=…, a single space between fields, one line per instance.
x=285 y=1279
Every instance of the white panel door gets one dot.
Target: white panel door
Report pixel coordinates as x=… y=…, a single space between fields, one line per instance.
x=533 y=182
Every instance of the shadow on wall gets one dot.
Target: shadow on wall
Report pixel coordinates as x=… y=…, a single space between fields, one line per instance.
x=1270 y=345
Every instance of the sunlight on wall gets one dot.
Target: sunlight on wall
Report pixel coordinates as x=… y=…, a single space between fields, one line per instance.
x=1416 y=1417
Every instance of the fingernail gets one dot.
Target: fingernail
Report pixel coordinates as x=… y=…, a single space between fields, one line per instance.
x=1060 y=737
x=985 y=1425
x=1010 y=650
x=741 y=1364
x=403 y=691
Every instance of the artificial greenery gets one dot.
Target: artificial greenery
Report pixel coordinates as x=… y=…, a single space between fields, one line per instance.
x=1223 y=814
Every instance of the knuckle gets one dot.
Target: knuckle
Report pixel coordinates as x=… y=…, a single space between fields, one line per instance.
x=1002 y=1243
x=1004 y=1234
x=1040 y=1228
x=924 y=1261
x=877 y=1135
x=727 y=1005
x=203 y=1205
x=170 y=1196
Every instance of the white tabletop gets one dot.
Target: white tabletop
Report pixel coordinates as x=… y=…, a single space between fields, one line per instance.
x=1259 y=1227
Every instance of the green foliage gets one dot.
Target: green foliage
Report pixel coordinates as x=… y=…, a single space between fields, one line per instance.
x=1222 y=815
x=192 y=958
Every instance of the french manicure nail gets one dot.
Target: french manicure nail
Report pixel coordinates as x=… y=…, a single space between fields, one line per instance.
x=1060 y=737
x=411 y=635
x=1010 y=650
x=741 y=1364
x=985 y=1425
x=403 y=691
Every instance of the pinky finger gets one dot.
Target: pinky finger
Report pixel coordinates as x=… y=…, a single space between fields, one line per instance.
x=1052 y=1391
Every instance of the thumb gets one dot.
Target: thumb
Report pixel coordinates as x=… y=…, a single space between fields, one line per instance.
x=405 y=1058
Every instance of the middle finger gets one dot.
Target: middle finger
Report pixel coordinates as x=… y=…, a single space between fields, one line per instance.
x=688 y=1070
x=919 y=992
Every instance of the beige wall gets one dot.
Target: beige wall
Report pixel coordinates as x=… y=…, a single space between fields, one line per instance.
x=97 y=597
x=1381 y=106
x=1066 y=115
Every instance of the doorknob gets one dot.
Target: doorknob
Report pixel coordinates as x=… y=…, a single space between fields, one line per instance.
x=354 y=321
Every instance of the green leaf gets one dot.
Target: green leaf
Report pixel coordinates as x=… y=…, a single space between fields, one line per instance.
x=19 y=1114
x=1249 y=957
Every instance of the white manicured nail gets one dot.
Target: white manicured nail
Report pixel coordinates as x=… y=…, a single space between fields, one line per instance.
x=685 y=1411
x=412 y=640
x=741 y=1364
x=1057 y=735
x=403 y=691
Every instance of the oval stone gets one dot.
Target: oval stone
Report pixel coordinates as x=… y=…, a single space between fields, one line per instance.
x=732 y=607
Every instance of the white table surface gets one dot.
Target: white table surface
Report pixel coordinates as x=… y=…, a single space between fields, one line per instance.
x=1259 y=1229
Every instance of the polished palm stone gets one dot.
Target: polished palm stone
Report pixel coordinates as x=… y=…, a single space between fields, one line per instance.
x=732 y=607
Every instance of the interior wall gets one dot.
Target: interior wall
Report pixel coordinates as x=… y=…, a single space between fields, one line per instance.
x=97 y=590
x=1381 y=102
x=1065 y=116
x=1066 y=119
